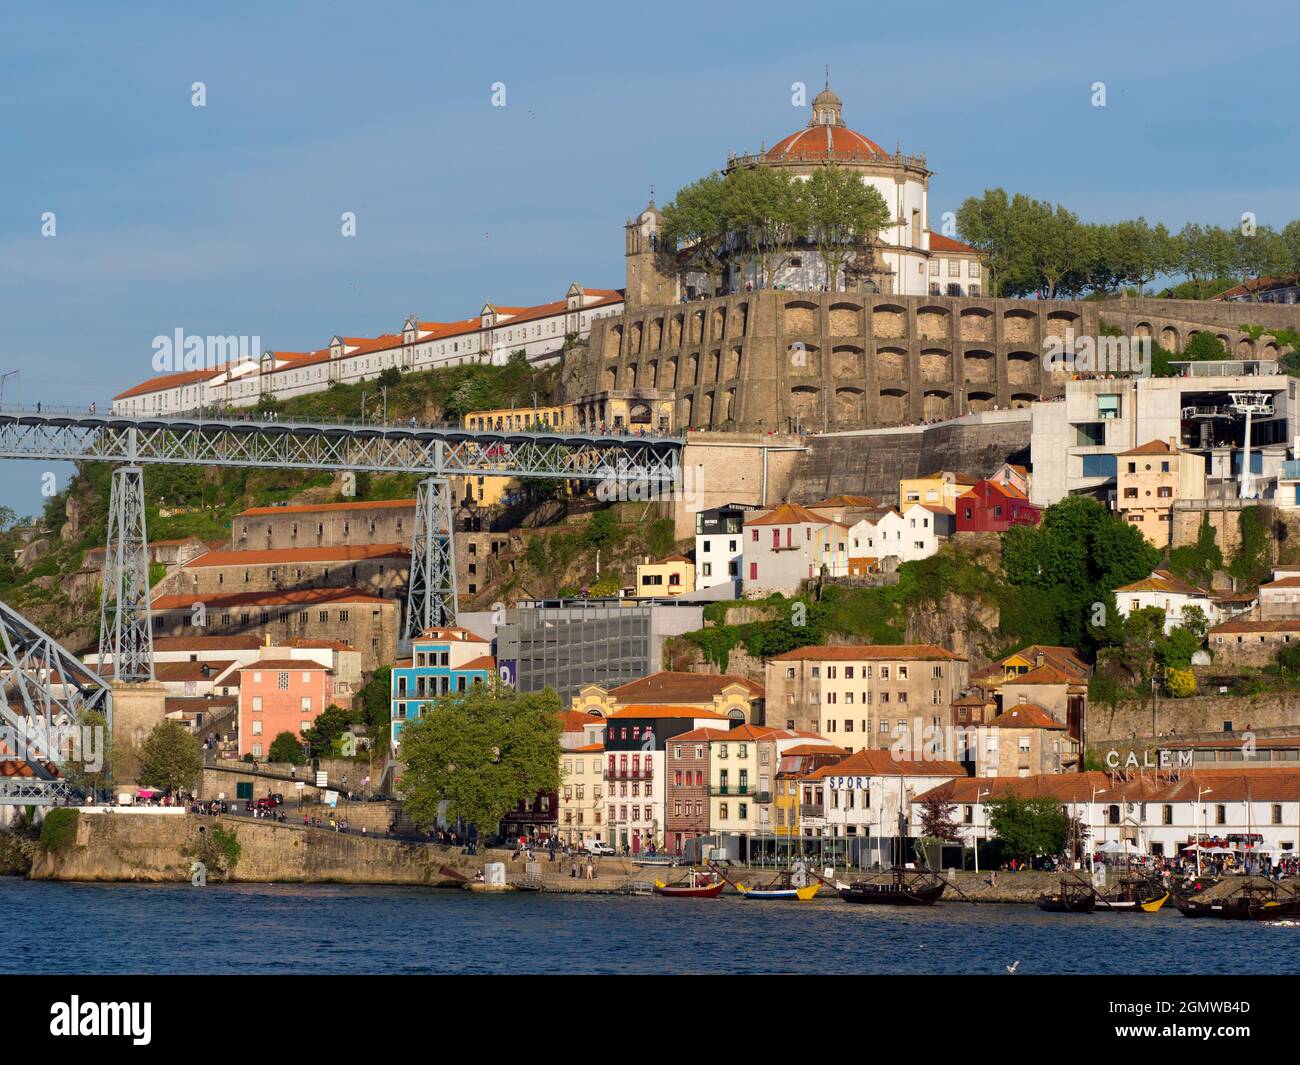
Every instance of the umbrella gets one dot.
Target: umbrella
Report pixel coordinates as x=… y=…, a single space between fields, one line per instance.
x=1112 y=847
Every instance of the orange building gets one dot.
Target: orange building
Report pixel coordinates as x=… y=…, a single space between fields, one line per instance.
x=280 y=695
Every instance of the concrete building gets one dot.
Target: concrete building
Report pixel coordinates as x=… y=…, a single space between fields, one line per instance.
x=994 y=506
x=788 y=545
x=913 y=533
x=939 y=489
x=1166 y=593
x=1244 y=642
x=355 y=524
x=380 y=569
x=1025 y=740
x=719 y=549
x=280 y=695
x=581 y=797
x=671 y=576
x=444 y=661
x=1150 y=479
x=863 y=697
x=860 y=799
x=1077 y=441
x=686 y=813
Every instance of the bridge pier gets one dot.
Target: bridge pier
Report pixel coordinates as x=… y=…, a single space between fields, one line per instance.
x=125 y=623
x=431 y=594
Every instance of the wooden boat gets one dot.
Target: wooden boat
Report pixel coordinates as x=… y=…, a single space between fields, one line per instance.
x=1252 y=902
x=1075 y=896
x=905 y=887
x=1135 y=895
x=693 y=886
x=780 y=888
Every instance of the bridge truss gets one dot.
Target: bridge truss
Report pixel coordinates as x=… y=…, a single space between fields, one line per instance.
x=436 y=453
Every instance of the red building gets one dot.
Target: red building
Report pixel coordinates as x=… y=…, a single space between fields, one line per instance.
x=993 y=507
x=280 y=695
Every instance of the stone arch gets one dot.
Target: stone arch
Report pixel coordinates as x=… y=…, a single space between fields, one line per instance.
x=634 y=339
x=848 y=406
x=743 y=310
x=1022 y=367
x=888 y=322
x=1018 y=326
x=629 y=376
x=936 y=364
x=804 y=403
x=932 y=323
x=697 y=327
x=1059 y=322
x=733 y=362
x=692 y=373
x=639 y=413
x=1143 y=329
x=936 y=405
x=846 y=361
x=1270 y=349
x=729 y=405
x=803 y=360
x=893 y=405
x=613 y=340
x=719 y=324
x=1223 y=339
x=1170 y=340
x=978 y=401
x=978 y=367
x=977 y=324
x=688 y=410
x=675 y=331
x=713 y=372
x=846 y=320
x=1245 y=348
x=799 y=318
x=706 y=409
x=611 y=378
x=652 y=374
x=1023 y=399
x=670 y=374
x=656 y=335
x=891 y=364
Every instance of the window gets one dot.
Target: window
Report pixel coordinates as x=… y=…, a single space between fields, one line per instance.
x=282 y=681
x=257 y=703
x=257 y=728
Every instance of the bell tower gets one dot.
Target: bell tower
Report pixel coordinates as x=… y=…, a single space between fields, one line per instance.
x=647 y=284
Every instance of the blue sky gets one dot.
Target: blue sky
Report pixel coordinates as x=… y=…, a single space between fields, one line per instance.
x=225 y=219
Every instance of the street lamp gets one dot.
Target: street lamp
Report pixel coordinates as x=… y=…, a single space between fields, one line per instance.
x=3 y=377
x=978 y=796
x=1199 y=793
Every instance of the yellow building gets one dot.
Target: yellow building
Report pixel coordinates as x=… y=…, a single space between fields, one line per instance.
x=490 y=491
x=581 y=793
x=796 y=763
x=938 y=489
x=738 y=700
x=1148 y=480
x=674 y=575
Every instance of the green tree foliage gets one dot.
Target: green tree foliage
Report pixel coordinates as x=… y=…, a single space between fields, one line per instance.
x=1077 y=556
x=285 y=748
x=91 y=772
x=327 y=730
x=1196 y=563
x=1203 y=347
x=170 y=757
x=376 y=704
x=480 y=752
x=1029 y=828
x=844 y=217
x=1253 y=560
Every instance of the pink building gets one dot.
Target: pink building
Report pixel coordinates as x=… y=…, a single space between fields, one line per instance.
x=280 y=695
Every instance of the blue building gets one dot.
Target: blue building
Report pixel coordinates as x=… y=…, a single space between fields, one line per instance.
x=443 y=661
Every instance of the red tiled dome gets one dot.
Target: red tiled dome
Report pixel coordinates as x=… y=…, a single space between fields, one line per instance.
x=825 y=142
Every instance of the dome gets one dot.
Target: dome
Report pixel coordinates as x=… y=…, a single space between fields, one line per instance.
x=826 y=137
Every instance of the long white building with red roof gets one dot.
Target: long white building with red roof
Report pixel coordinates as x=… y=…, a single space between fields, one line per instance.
x=490 y=337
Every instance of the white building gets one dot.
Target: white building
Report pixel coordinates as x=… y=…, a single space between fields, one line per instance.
x=491 y=337
x=719 y=544
x=1165 y=592
x=860 y=798
x=790 y=544
x=912 y=533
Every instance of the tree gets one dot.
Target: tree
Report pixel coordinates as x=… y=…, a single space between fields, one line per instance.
x=91 y=770
x=390 y=376
x=285 y=748
x=937 y=811
x=1029 y=828
x=765 y=214
x=696 y=219
x=480 y=752
x=170 y=757
x=326 y=730
x=1180 y=683
x=845 y=217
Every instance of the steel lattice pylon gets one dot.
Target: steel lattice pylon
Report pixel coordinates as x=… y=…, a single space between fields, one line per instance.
x=431 y=594
x=125 y=627
x=44 y=690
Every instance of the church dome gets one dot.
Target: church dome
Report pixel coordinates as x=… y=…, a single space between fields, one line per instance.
x=825 y=138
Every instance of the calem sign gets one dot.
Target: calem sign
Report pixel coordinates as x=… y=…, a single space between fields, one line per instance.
x=1165 y=759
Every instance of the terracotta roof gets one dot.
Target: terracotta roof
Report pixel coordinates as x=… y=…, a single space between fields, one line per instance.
x=590 y=748
x=576 y=721
x=333 y=553
x=675 y=687
x=863 y=502
x=812 y=748
x=1162 y=580
x=481 y=662
x=1068 y=787
x=1244 y=626
x=1026 y=715
x=173 y=380
x=293 y=597
x=307 y=508
x=825 y=142
x=875 y=763
x=180 y=672
x=789 y=514
x=753 y=732
x=1043 y=675
x=896 y=652
x=1282 y=582
x=1151 y=447
x=206 y=643
x=662 y=710
x=1065 y=659
x=454 y=633
x=938 y=242
x=700 y=734
x=279 y=664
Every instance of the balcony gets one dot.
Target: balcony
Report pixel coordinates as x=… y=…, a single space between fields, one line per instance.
x=812 y=809
x=646 y=772
x=733 y=790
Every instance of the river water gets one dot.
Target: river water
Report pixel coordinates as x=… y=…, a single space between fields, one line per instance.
x=48 y=927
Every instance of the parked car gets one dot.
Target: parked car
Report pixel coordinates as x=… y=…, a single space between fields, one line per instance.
x=598 y=847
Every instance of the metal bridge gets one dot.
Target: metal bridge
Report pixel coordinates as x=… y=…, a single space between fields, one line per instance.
x=437 y=453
